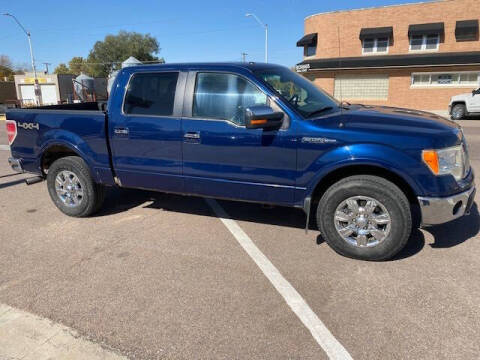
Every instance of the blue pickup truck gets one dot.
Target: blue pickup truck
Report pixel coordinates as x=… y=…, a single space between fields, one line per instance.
x=253 y=132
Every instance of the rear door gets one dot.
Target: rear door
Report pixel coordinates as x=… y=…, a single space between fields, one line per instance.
x=146 y=133
x=221 y=157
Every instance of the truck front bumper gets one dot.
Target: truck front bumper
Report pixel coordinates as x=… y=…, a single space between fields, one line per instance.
x=441 y=210
x=16 y=164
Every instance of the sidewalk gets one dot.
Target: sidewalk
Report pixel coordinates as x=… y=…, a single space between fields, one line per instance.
x=30 y=337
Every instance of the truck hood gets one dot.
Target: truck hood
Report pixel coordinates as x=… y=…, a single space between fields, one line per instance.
x=400 y=118
x=460 y=97
x=403 y=128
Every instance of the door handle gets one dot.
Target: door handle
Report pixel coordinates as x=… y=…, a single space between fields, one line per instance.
x=192 y=135
x=120 y=131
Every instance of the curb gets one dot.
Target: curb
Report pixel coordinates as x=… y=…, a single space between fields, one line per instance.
x=31 y=337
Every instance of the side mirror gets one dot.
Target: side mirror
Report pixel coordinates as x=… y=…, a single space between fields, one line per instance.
x=262 y=117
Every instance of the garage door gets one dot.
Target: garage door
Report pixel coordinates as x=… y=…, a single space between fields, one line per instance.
x=361 y=87
x=28 y=94
x=49 y=94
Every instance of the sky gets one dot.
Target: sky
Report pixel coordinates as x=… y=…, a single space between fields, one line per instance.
x=187 y=30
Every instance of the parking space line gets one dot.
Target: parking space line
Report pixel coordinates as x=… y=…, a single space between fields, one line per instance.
x=4 y=147
x=299 y=306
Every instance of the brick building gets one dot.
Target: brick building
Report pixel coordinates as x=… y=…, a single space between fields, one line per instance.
x=413 y=55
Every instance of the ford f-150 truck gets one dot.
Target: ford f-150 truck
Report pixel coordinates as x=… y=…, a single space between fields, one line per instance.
x=258 y=133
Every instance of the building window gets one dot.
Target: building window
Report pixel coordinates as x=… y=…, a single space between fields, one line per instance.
x=310 y=50
x=428 y=42
x=375 y=45
x=361 y=87
x=459 y=79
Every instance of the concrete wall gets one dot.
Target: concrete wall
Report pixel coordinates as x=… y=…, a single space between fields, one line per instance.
x=43 y=79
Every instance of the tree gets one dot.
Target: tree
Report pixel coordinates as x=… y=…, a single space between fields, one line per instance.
x=61 y=69
x=107 y=55
x=78 y=65
x=6 y=68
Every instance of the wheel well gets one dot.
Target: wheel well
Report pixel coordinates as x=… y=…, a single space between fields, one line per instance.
x=54 y=153
x=458 y=102
x=347 y=171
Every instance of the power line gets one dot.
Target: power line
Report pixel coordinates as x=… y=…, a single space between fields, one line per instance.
x=114 y=62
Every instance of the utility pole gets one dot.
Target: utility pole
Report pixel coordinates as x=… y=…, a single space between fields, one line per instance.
x=244 y=56
x=266 y=33
x=46 y=66
x=36 y=86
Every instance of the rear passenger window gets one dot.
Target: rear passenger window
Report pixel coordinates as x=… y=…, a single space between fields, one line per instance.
x=151 y=94
x=225 y=97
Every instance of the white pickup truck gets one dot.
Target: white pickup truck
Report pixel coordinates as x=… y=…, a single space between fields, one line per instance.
x=464 y=105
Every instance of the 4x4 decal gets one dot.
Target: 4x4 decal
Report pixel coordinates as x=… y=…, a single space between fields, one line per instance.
x=28 y=126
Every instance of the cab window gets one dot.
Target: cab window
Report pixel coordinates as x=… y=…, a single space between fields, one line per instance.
x=151 y=94
x=299 y=92
x=225 y=96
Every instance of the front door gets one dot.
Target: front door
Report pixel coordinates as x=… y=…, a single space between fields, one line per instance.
x=146 y=132
x=222 y=158
x=474 y=102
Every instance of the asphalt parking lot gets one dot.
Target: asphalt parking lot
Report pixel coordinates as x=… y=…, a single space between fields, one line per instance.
x=161 y=276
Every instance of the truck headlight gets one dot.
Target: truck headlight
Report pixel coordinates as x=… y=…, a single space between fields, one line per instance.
x=453 y=161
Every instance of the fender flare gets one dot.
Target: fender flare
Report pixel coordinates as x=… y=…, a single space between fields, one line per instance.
x=366 y=155
x=51 y=139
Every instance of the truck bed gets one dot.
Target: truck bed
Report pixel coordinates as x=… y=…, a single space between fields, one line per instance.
x=81 y=128
x=87 y=106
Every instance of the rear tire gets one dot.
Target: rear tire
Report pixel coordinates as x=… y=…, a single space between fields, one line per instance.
x=365 y=217
x=459 y=111
x=72 y=189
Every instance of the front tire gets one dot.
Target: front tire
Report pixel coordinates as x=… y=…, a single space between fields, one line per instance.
x=72 y=189
x=365 y=217
x=459 y=111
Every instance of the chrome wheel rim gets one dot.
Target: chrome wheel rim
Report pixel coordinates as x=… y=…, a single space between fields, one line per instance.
x=362 y=221
x=457 y=113
x=69 y=188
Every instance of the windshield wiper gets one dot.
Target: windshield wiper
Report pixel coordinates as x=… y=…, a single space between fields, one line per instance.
x=319 y=111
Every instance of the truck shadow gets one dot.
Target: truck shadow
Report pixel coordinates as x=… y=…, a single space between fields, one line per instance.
x=11 y=183
x=121 y=200
x=457 y=231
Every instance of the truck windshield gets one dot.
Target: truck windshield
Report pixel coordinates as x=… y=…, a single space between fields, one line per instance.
x=301 y=93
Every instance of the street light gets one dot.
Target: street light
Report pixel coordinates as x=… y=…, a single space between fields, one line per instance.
x=35 y=86
x=266 y=33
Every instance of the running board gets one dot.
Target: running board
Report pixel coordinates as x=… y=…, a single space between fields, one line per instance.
x=33 y=180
